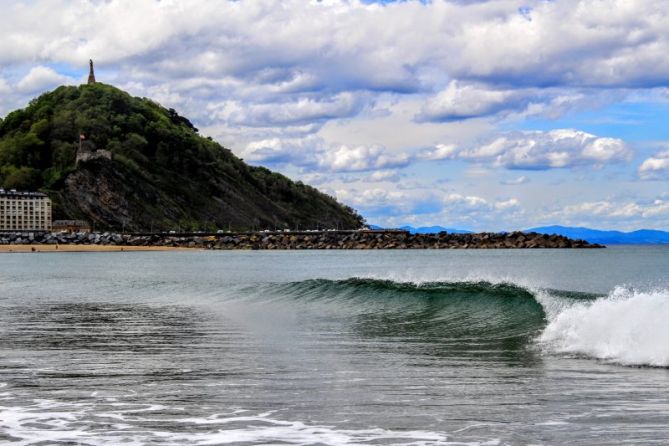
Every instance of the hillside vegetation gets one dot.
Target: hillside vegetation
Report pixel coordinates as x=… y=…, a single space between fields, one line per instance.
x=163 y=175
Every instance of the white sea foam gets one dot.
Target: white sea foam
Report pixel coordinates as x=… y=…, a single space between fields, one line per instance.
x=627 y=327
x=411 y=276
x=299 y=433
x=50 y=422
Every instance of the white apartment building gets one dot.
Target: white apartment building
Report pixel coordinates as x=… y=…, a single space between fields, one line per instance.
x=24 y=211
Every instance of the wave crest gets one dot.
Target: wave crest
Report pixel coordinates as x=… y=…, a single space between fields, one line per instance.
x=457 y=313
x=627 y=327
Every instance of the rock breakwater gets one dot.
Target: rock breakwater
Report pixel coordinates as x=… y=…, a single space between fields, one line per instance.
x=306 y=240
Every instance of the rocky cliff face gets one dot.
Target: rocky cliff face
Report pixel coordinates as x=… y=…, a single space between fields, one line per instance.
x=106 y=196
x=109 y=195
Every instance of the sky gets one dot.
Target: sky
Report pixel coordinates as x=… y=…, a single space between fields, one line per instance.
x=477 y=114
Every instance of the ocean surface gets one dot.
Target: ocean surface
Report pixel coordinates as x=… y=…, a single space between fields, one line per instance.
x=517 y=347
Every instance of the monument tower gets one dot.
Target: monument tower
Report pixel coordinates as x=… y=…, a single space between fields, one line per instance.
x=91 y=73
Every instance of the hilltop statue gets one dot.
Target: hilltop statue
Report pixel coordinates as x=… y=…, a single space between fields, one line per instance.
x=91 y=73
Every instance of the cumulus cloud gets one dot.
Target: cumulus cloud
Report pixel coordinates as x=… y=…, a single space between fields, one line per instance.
x=612 y=43
x=314 y=153
x=381 y=204
x=430 y=206
x=258 y=64
x=41 y=78
x=460 y=101
x=539 y=150
x=479 y=213
x=345 y=158
x=536 y=150
x=4 y=86
x=384 y=175
x=624 y=213
x=511 y=203
x=295 y=112
x=515 y=181
x=656 y=167
x=620 y=210
x=470 y=203
x=439 y=152
x=377 y=176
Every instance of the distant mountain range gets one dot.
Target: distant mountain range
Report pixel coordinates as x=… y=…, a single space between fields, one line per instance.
x=640 y=237
x=426 y=229
x=434 y=230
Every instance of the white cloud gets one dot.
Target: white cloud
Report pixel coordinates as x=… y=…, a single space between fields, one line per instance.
x=471 y=204
x=515 y=181
x=624 y=210
x=246 y=68
x=303 y=110
x=384 y=175
x=460 y=101
x=4 y=86
x=611 y=43
x=380 y=203
x=656 y=167
x=344 y=158
x=511 y=203
x=658 y=208
x=313 y=153
x=537 y=150
x=439 y=152
x=429 y=205
x=626 y=214
x=377 y=176
x=41 y=78
x=468 y=202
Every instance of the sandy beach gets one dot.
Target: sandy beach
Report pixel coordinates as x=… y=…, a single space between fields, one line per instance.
x=84 y=248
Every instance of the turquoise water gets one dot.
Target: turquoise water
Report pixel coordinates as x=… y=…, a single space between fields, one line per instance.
x=336 y=347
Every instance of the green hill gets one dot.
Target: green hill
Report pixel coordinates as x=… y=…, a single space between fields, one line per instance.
x=163 y=174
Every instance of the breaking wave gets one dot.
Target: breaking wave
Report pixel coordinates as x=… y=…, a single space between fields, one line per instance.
x=626 y=326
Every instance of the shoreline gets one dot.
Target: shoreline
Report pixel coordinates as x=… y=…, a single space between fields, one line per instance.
x=38 y=248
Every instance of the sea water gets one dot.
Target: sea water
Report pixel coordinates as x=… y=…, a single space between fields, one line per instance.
x=335 y=347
